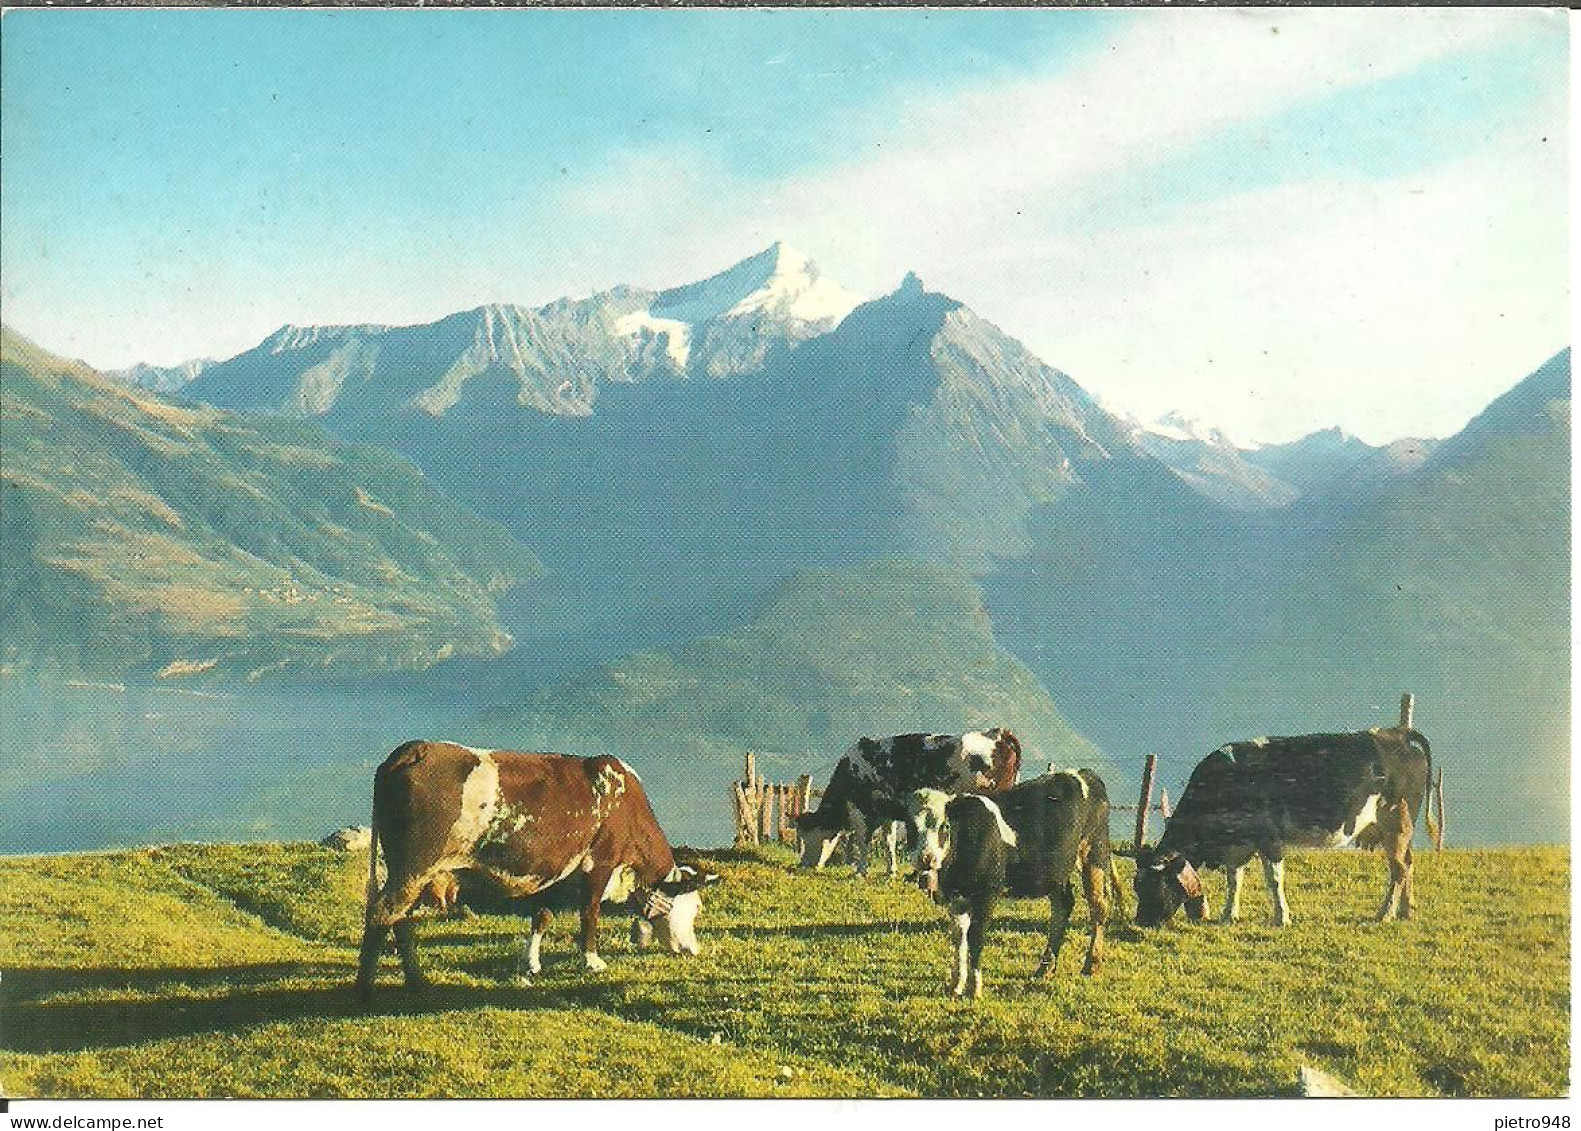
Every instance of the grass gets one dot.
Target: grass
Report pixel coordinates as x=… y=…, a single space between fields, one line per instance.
x=225 y=971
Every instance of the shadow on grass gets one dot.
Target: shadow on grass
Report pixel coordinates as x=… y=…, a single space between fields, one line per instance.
x=834 y=930
x=32 y=1026
x=26 y=986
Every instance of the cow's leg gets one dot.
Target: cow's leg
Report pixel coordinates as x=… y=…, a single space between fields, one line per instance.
x=1274 y=877
x=531 y=962
x=892 y=843
x=1095 y=886
x=960 y=970
x=1396 y=819
x=1232 y=893
x=860 y=847
x=1061 y=901
x=406 y=946
x=597 y=881
x=976 y=932
x=391 y=907
x=374 y=935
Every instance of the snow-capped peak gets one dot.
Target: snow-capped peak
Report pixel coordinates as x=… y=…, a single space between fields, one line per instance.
x=1185 y=429
x=779 y=280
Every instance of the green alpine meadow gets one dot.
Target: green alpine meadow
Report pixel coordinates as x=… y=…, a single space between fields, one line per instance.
x=226 y=970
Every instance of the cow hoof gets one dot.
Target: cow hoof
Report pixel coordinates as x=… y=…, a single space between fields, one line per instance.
x=595 y=964
x=363 y=991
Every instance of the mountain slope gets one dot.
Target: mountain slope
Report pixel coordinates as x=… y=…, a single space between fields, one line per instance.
x=1455 y=584
x=888 y=647
x=142 y=536
x=161 y=378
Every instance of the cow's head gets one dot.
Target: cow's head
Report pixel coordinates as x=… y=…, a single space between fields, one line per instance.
x=819 y=839
x=668 y=912
x=925 y=810
x=992 y=758
x=1164 y=881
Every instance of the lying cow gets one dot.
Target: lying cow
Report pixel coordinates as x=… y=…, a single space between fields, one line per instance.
x=536 y=829
x=1025 y=843
x=868 y=790
x=1260 y=797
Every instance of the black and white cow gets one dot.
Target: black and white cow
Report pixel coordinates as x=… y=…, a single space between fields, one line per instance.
x=868 y=791
x=1259 y=797
x=1024 y=842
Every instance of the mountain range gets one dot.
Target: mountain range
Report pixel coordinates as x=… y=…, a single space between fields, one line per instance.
x=696 y=468
x=142 y=536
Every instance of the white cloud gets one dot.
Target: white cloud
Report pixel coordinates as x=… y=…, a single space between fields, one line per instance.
x=1385 y=305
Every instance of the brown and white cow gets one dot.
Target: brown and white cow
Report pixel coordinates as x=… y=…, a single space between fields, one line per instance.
x=529 y=830
x=874 y=780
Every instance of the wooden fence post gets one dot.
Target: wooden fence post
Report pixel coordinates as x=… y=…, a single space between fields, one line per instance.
x=1407 y=710
x=803 y=805
x=1149 y=769
x=746 y=820
x=1438 y=798
x=765 y=812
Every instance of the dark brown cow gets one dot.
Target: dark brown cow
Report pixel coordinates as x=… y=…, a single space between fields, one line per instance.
x=529 y=829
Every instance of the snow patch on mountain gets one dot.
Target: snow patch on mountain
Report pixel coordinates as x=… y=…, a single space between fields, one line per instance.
x=779 y=281
x=677 y=335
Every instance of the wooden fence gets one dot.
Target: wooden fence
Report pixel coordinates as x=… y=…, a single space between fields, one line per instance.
x=767 y=811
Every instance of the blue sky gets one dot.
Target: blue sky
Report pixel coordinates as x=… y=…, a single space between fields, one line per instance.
x=1277 y=221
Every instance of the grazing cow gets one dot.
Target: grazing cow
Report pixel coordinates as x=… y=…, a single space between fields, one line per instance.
x=533 y=829
x=1259 y=797
x=1024 y=842
x=872 y=780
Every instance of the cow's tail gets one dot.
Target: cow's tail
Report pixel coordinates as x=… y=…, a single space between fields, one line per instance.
x=373 y=863
x=1417 y=739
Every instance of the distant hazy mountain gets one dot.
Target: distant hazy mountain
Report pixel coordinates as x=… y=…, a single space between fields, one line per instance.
x=142 y=536
x=1327 y=471
x=555 y=359
x=888 y=647
x=161 y=378
x=1455 y=583
x=1212 y=464
x=665 y=504
x=1333 y=468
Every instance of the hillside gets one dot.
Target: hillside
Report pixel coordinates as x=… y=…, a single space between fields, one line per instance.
x=1456 y=583
x=148 y=537
x=905 y=425
x=886 y=648
x=210 y=971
